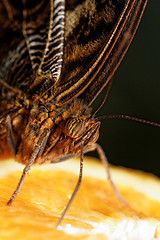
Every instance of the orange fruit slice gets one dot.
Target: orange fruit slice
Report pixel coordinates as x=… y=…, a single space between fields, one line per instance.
x=96 y=213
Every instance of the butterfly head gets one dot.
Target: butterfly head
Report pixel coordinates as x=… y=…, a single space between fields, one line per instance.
x=82 y=130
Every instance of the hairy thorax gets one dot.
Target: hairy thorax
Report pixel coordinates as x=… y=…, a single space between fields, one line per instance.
x=68 y=127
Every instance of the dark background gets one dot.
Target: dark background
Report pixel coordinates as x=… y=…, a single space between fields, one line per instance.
x=136 y=91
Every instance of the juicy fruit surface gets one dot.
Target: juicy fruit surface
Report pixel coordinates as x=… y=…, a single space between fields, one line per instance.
x=96 y=213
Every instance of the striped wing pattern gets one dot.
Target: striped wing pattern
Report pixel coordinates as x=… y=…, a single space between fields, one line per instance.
x=43 y=28
x=39 y=51
x=54 y=50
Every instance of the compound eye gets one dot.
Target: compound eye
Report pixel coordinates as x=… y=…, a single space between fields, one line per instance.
x=75 y=127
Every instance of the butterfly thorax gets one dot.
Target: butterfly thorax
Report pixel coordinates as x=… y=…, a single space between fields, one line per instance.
x=69 y=126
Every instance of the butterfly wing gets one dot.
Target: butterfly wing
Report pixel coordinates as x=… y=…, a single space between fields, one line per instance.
x=97 y=35
x=43 y=29
x=35 y=61
x=124 y=38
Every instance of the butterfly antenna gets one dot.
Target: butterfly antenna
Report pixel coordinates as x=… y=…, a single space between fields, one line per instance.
x=129 y=118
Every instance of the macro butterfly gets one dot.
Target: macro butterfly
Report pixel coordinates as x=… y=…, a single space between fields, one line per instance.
x=56 y=57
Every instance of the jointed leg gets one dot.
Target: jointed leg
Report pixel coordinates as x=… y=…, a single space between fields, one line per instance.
x=36 y=153
x=104 y=160
x=75 y=190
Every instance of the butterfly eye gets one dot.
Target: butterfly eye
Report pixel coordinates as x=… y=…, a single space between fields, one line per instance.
x=75 y=127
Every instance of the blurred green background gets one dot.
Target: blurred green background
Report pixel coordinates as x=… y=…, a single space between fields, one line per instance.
x=136 y=92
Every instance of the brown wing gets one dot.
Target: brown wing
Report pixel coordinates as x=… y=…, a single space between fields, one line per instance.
x=35 y=58
x=97 y=35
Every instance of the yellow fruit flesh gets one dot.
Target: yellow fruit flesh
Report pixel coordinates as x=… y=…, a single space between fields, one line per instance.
x=96 y=213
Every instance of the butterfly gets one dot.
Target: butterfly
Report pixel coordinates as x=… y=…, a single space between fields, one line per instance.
x=56 y=58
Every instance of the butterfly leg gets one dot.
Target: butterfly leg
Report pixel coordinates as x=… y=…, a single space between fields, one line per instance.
x=76 y=188
x=104 y=160
x=35 y=154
